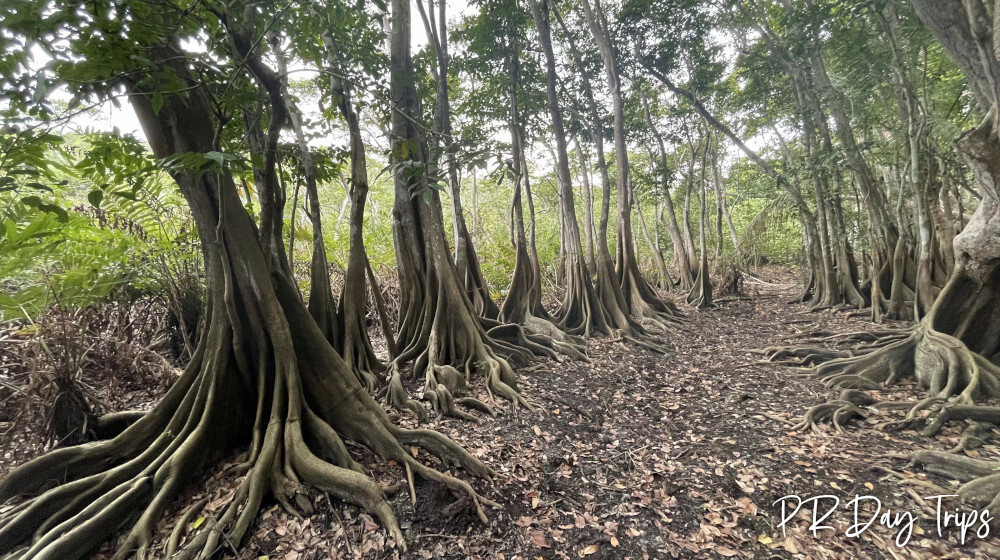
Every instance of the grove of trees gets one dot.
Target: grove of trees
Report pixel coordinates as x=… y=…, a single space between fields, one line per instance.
x=346 y=226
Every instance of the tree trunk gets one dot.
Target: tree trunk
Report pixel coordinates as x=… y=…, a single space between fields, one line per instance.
x=438 y=325
x=683 y=266
x=352 y=316
x=581 y=312
x=639 y=296
x=524 y=298
x=700 y=295
x=442 y=155
x=588 y=208
x=262 y=373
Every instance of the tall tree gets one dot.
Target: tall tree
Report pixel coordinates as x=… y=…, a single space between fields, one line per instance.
x=954 y=352
x=583 y=311
x=640 y=296
x=439 y=327
x=435 y=21
x=262 y=373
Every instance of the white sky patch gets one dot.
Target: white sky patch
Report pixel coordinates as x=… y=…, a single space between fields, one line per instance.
x=119 y=116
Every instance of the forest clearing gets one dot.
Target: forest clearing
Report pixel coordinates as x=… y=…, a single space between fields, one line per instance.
x=499 y=279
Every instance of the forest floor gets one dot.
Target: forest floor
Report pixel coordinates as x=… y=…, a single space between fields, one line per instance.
x=644 y=456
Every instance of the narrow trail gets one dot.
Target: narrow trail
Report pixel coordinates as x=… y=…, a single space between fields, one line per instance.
x=645 y=456
x=684 y=456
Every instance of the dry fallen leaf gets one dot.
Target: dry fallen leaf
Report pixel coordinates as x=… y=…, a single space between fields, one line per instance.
x=538 y=539
x=592 y=549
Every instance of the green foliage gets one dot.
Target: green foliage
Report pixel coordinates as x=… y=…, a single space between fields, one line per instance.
x=72 y=244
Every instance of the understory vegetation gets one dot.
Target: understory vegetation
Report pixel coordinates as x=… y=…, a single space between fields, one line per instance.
x=311 y=231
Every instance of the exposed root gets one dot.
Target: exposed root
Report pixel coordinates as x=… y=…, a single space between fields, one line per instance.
x=839 y=412
x=700 y=295
x=398 y=398
x=981 y=478
x=800 y=355
x=443 y=330
x=110 y=425
x=643 y=341
x=129 y=481
x=444 y=383
x=545 y=332
x=975 y=435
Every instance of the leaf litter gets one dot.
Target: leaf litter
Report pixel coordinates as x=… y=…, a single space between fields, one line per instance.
x=636 y=456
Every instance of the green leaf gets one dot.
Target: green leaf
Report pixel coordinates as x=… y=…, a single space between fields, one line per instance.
x=157 y=101
x=217 y=157
x=32 y=201
x=127 y=195
x=59 y=211
x=96 y=197
x=10 y=229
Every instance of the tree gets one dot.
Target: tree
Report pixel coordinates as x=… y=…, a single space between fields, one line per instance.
x=662 y=170
x=443 y=156
x=584 y=311
x=954 y=351
x=639 y=295
x=700 y=295
x=260 y=344
x=438 y=325
x=329 y=38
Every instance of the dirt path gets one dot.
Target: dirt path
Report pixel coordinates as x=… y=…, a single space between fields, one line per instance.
x=644 y=456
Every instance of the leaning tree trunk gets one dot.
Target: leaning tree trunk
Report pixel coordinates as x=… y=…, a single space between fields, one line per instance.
x=523 y=304
x=684 y=268
x=954 y=351
x=581 y=311
x=588 y=207
x=599 y=307
x=345 y=326
x=809 y=230
x=883 y=233
x=466 y=260
x=832 y=283
x=263 y=373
